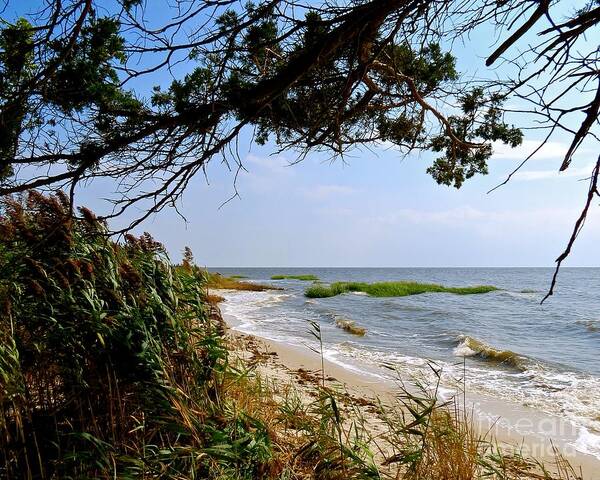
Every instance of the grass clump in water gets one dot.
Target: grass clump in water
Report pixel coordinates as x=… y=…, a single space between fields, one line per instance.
x=391 y=289
x=304 y=278
x=351 y=327
x=221 y=282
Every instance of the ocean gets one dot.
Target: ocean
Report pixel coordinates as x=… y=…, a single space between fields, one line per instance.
x=502 y=344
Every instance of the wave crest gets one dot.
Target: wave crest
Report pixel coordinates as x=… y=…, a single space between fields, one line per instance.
x=471 y=347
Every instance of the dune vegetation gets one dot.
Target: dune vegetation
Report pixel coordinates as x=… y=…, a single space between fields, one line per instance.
x=391 y=289
x=115 y=364
x=108 y=353
x=304 y=278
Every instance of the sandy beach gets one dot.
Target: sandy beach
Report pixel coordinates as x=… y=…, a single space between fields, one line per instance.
x=511 y=426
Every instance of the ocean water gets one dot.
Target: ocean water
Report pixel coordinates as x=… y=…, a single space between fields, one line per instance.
x=503 y=344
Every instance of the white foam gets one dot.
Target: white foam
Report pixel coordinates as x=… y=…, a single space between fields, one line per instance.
x=572 y=396
x=445 y=394
x=463 y=350
x=588 y=443
x=245 y=307
x=333 y=355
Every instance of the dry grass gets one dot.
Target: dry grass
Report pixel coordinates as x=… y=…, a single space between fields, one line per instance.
x=214 y=299
x=437 y=441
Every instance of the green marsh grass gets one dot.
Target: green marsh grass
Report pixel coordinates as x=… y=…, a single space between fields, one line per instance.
x=304 y=278
x=391 y=289
x=217 y=281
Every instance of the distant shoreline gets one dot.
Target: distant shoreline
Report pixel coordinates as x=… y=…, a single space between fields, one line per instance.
x=548 y=267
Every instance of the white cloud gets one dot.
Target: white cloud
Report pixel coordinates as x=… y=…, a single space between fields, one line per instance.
x=579 y=172
x=274 y=163
x=334 y=212
x=265 y=173
x=450 y=217
x=485 y=222
x=321 y=192
x=549 y=151
x=272 y=173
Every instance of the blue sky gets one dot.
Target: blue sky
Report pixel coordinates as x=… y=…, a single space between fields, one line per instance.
x=379 y=208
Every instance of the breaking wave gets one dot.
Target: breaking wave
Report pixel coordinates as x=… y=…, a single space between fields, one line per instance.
x=471 y=347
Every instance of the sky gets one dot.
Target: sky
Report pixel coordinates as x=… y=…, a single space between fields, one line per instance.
x=378 y=208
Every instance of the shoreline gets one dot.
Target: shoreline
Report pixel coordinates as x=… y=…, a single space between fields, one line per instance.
x=535 y=434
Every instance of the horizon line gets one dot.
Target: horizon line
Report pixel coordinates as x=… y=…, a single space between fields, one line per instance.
x=396 y=267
